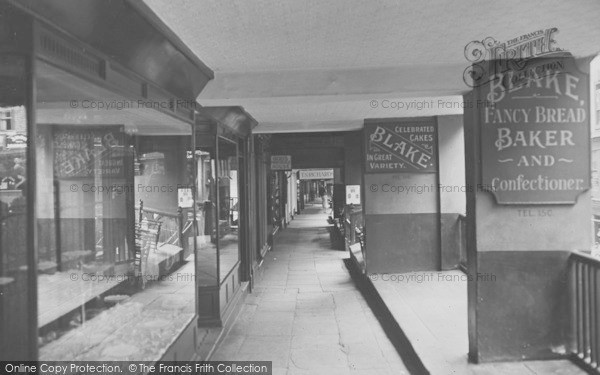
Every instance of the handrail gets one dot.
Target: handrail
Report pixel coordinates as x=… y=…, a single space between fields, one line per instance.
x=157 y=211
x=585 y=257
x=175 y=228
x=354 y=222
x=585 y=309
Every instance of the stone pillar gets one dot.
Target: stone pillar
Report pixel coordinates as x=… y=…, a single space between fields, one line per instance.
x=452 y=189
x=401 y=200
x=527 y=148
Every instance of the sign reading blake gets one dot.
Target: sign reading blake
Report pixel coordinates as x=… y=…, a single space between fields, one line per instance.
x=85 y=152
x=401 y=146
x=535 y=141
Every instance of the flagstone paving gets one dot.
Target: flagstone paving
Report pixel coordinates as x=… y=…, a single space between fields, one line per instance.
x=305 y=313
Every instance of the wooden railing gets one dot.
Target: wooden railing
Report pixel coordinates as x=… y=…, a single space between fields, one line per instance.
x=585 y=305
x=355 y=234
x=175 y=228
x=353 y=223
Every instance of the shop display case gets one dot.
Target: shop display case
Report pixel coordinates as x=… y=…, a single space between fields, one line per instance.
x=221 y=194
x=107 y=201
x=92 y=147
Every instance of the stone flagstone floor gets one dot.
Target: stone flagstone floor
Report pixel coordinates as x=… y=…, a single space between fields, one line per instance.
x=305 y=313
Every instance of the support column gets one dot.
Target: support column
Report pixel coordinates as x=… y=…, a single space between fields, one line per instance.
x=527 y=147
x=452 y=189
x=401 y=200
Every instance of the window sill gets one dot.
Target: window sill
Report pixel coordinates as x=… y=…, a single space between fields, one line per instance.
x=141 y=328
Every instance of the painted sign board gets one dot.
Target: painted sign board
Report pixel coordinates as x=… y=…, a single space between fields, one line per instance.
x=184 y=197
x=315 y=174
x=85 y=152
x=535 y=133
x=281 y=162
x=402 y=145
x=353 y=194
x=17 y=140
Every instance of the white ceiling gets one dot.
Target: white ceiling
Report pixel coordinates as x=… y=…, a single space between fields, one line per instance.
x=316 y=65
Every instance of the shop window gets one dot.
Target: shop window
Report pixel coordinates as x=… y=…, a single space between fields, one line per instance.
x=109 y=220
x=275 y=199
x=5 y=120
x=229 y=206
x=597 y=105
x=15 y=230
x=206 y=214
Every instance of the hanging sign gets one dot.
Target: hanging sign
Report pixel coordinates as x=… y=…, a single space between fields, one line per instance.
x=353 y=194
x=316 y=174
x=184 y=197
x=535 y=133
x=17 y=140
x=281 y=162
x=401 y=146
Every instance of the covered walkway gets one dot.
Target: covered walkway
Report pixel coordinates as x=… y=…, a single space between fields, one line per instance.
x=305 y=313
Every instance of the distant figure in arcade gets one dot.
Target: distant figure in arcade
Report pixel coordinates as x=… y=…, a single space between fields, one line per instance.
x=323 y=197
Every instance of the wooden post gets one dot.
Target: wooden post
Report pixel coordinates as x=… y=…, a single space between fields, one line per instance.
x=57 y=237
x=182 y=241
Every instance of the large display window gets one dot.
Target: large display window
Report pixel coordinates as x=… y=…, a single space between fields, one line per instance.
x=114 y=215
x=222 y=210
x=16 y=288
x=97 y=185
x=206 y=217
x=229 y=206
x=218 y=205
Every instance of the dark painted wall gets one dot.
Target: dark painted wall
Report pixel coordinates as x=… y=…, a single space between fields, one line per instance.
x=402 y=243
x=353 y=164
x=310 y=150
x=450 y=240
x=524 y=305
x=315 y=157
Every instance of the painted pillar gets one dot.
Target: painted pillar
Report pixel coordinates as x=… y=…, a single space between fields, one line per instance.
x=401 y=200
x=452 y=189
x=527 y=147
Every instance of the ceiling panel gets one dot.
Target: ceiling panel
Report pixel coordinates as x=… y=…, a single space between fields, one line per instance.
x=280 y=59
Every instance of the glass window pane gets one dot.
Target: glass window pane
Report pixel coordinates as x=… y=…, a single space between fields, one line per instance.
x=114 y=218
x=14 y=229
x=206 y=217
x=228 y=207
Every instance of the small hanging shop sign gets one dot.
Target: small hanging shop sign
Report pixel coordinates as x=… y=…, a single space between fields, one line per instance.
x=281 y=162
x=315 y=174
